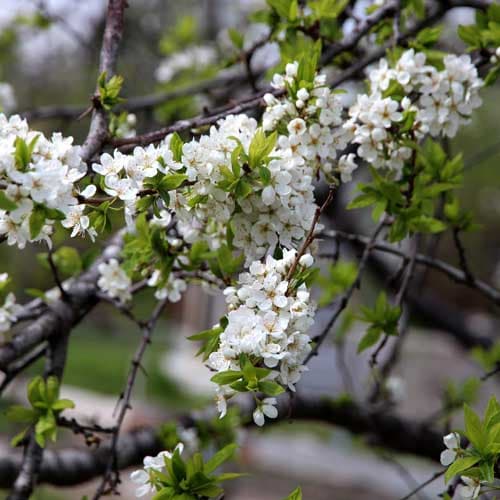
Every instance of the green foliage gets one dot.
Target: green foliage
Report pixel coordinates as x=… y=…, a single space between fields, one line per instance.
x=39 y=215
x=210 y=340
x=236 y=37
x=100 y=217
x=109 y=90
x=484 y=36
x=43 y=395
x=192 y=479
x=412 y=199
x=286 y=9
x=24 y=152
x=296 y=494
x=479 y=460
x=340 y=277
x=6 y=203
x=260 y=147
x=383 y=318
x=249 y=379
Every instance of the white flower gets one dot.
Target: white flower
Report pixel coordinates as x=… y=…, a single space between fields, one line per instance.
x=267 y=407
x=452 y=443
x=171 y=291
x=297 y=126
x=142 y=477
x=306 y=260
x=79 y=222
x=114 y=281
x=470 y=489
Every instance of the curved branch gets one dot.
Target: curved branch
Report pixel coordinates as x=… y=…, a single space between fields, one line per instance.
x=461 y=277
x=73 y=466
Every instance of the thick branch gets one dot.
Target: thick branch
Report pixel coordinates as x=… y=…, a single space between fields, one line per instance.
x=74 y=466
x=62 y=315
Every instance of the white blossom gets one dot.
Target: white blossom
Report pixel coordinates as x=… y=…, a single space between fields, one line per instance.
x=266 y=408
x=142 y=477
x=470 y=489
x=452 y=443
x=114 y=281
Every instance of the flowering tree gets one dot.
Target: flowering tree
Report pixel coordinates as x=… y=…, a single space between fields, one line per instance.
x=237 y=200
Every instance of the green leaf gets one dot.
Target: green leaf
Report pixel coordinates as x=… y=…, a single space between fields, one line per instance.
x=109 y=90
x=296 y=494
x=63 y=404
x=471 y=35
x=363 y=200
x=427 y=224
x=172 y=181
x=176 y=146
x=228 y=476
x=474 y=429
x=260 y=147
x=34 y=389
x=220 y=457
x=21 y=414
x=270 y=388
x=265 y=175
x=19 y=437
x=460 y=465
x=227 y=377
x=236 y=37
x=52 y=389
x=284 y=8
x=369 y=339
x=206 y=334
x=37 y=220
x=6 y=203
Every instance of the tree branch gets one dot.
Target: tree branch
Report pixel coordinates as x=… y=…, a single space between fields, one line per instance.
x=113 y=32
x=73 y=466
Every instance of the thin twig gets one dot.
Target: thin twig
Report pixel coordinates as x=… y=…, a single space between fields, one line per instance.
x=310 y=234
x=55 y=274
x=452 y=272
x=435 y=476
x=110 y=477
x=346 y=297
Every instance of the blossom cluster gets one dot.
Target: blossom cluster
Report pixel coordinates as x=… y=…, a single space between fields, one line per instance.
x=435 y=102
x=268 y=319
x=38 y=176
x=142 y=477
x=310 y=122
x=197 y=57
x=125 y=175
x=113 y=280
x=471 y=487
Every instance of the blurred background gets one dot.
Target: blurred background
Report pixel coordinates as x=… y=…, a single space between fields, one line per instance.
x=48 y=57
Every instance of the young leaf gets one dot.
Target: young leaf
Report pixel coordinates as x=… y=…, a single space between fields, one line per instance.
x=460 y=465
x=227 y=377
x=296 y=494
x=220 y=457
x=6 y=203
x=369 y=339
